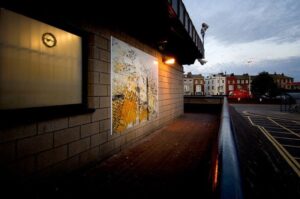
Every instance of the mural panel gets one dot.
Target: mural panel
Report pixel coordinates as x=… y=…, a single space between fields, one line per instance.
x=134 y=86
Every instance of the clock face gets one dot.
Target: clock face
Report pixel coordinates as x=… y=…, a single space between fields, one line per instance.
x=49 y=39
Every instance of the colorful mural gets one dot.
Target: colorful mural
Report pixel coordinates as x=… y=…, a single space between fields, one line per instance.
x=134 y=86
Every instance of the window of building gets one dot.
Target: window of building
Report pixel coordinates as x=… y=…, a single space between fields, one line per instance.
x=186 y=88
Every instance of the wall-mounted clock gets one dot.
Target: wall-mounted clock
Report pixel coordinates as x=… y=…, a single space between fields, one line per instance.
x=49 y=40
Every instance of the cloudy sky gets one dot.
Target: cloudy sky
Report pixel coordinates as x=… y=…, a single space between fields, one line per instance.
x=248 y=36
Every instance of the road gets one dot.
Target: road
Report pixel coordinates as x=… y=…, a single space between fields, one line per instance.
x=269 y=148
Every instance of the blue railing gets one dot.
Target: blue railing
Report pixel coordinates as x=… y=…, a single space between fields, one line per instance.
x=228 y=180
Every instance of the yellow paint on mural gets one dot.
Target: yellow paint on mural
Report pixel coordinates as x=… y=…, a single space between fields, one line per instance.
x=125 y=113
x=134 y=86
x=143 y=114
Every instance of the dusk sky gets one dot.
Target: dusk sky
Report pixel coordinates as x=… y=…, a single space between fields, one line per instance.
x=247 y=36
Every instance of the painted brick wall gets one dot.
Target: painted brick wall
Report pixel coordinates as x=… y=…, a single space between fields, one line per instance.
x=65 y=144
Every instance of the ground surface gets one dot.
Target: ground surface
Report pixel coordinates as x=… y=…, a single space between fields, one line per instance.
x=173 y=162
x=265 y=172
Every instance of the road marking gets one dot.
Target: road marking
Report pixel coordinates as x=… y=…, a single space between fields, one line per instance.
x=284 y=133
x=292 y=146
x=274 y=117
x=286 y=138
x=284 y=127
x=282 y=151
x=297 y=122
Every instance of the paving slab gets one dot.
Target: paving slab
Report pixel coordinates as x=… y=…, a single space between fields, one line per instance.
x=173 y=162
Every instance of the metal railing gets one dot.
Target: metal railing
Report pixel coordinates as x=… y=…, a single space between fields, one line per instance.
x=184 y=18
x=228 y=180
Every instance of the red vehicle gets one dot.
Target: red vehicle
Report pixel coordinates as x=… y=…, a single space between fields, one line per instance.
x=239 y=94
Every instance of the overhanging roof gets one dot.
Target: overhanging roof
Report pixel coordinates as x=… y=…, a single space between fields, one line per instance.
x=162 y=24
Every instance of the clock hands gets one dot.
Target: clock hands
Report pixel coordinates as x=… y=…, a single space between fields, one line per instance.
x=49 y=40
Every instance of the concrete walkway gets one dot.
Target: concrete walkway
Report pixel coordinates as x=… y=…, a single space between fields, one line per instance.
x=173 y=162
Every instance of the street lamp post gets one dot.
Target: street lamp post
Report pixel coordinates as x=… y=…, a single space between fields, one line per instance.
x=203 y=30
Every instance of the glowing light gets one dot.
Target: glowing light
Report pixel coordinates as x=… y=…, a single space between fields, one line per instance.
x=169 y=61
x=216 y=174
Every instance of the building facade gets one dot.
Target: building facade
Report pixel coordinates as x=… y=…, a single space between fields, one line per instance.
x=100 y=85
x=294 y=85
x=188 y=84
x=215 y=84
x=238 y=86
x=193 y=84
x=282 y=81
x=199 y=84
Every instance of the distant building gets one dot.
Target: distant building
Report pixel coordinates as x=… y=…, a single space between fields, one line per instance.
x=234 y=86
x=215 y=84
x=199 y=83
x=193 y=84
x=238 y=86
x=294 y=85
x=188 y=84
x=282 y=81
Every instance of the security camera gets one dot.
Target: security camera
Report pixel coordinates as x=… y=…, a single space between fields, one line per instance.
x=202 y=61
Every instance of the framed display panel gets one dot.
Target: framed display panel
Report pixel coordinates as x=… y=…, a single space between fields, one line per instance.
x=41 y=66
x=134 y=78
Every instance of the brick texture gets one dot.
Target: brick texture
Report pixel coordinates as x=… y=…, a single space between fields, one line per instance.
x=62 y=145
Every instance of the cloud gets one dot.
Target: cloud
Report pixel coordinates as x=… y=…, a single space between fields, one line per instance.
x=266 y=32
x=256 y=51
x=236 y=21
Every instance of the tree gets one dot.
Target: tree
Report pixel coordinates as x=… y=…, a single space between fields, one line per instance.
x=263 y=84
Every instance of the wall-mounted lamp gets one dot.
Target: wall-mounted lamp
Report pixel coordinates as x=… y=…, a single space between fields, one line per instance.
x=169 y=60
